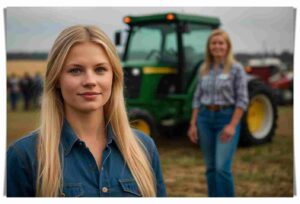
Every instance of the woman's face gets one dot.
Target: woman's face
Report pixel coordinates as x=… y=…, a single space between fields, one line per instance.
x=218 y=47
x=86 y=78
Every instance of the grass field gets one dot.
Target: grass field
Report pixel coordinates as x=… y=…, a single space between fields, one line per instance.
x=265 y=170
x=31 y=66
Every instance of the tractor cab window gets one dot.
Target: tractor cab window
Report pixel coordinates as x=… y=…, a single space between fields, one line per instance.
x=153 y=43
x=194 y=44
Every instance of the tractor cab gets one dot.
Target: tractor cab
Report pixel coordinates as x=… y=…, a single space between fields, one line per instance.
x=161 y=59
x=168 y=46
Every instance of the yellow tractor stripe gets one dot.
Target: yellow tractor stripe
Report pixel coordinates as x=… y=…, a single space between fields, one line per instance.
x=159 y=70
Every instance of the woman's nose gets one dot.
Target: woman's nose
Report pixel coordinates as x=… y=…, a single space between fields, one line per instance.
x=89 y=79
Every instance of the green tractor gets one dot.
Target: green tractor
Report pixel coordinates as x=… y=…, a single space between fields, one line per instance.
x=161 y=59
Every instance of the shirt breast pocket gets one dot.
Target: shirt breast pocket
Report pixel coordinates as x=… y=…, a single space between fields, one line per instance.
x=224 y=82
x=129 y=188
x=73 y=190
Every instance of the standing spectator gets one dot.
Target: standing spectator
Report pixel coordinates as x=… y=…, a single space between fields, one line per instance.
x=26 y=85
x=219 y=102
x=13 y=90
x=37 y=90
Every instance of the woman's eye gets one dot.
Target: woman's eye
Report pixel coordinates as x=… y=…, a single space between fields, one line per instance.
x=100 y=69
x=75 y=70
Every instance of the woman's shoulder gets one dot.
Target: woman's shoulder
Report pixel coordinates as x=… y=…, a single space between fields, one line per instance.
x=25 y=145
x=145 y=139
x=237 y=66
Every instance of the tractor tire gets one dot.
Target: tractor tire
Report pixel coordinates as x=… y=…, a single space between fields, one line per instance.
x=142 y=121
x=260 y=120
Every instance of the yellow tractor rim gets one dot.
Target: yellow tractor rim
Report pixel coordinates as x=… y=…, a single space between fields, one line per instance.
x=256 y=115
x=141 y=125
x=260 y=116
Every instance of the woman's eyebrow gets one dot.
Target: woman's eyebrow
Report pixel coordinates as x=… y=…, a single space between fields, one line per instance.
x=74 y=64
x=102 y=63
x=80 y=65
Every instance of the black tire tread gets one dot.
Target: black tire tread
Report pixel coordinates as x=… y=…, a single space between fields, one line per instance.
x=246 y=138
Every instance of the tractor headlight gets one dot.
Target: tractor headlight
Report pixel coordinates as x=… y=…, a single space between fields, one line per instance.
x=135 y=72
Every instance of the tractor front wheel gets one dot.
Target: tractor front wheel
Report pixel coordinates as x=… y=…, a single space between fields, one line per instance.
x=142 y=120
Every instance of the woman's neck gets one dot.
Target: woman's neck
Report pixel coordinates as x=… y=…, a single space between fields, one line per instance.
x=218 y=61
x=87 y=126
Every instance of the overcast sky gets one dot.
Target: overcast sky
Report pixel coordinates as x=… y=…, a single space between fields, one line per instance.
x=252 y=29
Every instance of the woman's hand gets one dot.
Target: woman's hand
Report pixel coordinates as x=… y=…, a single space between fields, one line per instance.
x=227 y=133
x=192 y=133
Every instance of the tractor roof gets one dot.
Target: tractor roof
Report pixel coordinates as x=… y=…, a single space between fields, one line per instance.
x=169 y=17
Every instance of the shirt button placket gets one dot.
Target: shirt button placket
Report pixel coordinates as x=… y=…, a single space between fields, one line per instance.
x=104 y=190
x=103 y=179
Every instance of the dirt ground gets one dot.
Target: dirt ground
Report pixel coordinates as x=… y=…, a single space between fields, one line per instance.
x=259 y=171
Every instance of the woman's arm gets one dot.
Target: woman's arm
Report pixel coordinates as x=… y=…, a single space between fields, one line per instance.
x=241 y=103
x=160 y=185
x=192 y=132
x=229 y=130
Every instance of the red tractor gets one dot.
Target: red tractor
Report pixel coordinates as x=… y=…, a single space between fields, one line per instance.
x=275 y=74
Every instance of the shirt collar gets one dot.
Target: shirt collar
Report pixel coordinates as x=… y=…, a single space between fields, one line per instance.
x=110 y=135
x=69 y=137
x=221 y=65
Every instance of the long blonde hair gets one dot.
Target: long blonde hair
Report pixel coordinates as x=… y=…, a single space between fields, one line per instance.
x=229 y=59
x=49 y=175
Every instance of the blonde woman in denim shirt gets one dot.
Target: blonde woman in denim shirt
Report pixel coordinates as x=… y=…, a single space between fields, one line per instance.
x=84 y=146
x=219 y=102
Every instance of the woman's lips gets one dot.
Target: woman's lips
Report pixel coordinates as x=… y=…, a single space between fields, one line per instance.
x=90 y=96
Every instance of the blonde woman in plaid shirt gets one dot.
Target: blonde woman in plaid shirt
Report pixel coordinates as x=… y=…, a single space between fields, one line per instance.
x=220 y=100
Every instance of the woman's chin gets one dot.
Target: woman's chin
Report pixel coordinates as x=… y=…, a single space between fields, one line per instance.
x=90 y=109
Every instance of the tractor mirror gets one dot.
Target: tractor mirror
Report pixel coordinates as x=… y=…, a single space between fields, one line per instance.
x=118 y=38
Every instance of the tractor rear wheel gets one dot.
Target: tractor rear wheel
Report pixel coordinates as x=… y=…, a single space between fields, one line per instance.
x=260 y=120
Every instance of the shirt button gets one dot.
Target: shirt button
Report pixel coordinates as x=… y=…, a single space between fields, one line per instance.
x=104 y=189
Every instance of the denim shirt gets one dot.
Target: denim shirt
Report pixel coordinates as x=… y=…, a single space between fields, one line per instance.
x=81 y=175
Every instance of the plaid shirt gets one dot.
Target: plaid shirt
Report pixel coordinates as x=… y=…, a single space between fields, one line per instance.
x=217 y=88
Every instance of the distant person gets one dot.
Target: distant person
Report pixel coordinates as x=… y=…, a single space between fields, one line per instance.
x=13 y=90
x=84 y=146
x=220 y=100
x=26 y=85
x=37 y=90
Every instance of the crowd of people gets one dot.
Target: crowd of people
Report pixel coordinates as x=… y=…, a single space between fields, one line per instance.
x=26 y=88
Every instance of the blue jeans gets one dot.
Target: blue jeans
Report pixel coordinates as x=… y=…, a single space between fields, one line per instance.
x=218 y=156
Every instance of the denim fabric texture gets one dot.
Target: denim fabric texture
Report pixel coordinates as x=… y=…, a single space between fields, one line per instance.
x=81 y=175
x=218 y=156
